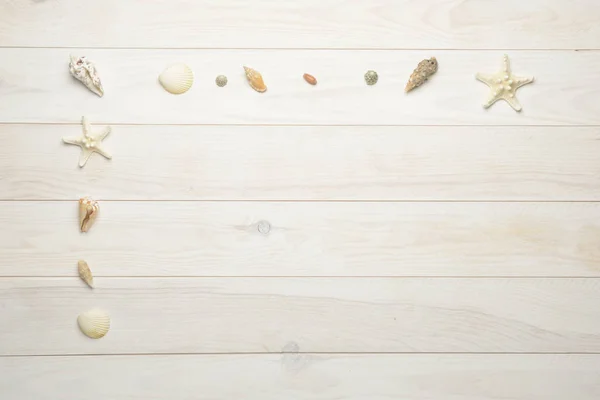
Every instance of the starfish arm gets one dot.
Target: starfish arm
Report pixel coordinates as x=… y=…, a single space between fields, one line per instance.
x=72 y=140
x=100 y=150
x=521 y=80
x=491 y=100
x=87 y=128
x=100 y=136
x=485 y=78
x=514 y=103
x=506 y=65
x=84 y=157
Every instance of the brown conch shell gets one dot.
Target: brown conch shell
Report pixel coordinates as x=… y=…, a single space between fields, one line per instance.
x=85 y=273
x=255 y=80
x=88 y=211
x=424 y=70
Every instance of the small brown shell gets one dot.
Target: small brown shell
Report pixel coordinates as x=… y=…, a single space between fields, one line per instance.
x=310 y=79
x=255 y=80
x=88 y=211
x=85 y=273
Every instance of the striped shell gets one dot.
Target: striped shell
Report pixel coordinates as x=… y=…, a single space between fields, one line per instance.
x=85 y=273
x=177 y=78
x=94 y=323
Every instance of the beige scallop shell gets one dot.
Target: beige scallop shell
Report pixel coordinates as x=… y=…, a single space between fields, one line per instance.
x=85 y=273
x=255 y=80
x=94 y=323
x=88 y=211
x=177 y=78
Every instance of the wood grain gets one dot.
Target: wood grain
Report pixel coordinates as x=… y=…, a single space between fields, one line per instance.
x=35 y=86
x=303 y=239
x=545 y=24
x=304 y=377
x=218 y=315
x=304 y=163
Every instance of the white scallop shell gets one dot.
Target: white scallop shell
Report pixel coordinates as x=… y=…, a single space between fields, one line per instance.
x=177 y=78
x=94 y=323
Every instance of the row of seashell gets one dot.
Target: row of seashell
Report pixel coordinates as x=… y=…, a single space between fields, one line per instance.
x=179 y=78
x=94 y=323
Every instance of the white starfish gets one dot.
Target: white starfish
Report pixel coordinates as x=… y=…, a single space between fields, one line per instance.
x=89 y=143
x=504 y=85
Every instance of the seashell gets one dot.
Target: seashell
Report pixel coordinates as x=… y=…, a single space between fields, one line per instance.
x=255 y=80
x=88 y=211
x=94 y=323
x=310 y=79
x=371 y=77
x=177 y=78
x=424 y=70
x=85 y=273
x=85 y=71
x=221 y=80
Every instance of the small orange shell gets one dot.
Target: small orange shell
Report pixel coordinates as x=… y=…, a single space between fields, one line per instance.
x=255 y=80
x=310 y=79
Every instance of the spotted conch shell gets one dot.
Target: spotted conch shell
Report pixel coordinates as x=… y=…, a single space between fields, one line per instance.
x=255 y=80
x=85 y=273
x=424 y=70
x=94 y=323
x=85 y=71
x=88 y=211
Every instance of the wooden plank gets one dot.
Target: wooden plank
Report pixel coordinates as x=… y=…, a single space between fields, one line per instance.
x=304 y=163
x=303 y=239
x=304 y=377
x=219 y=315
x=447 y=24
x=35 y=86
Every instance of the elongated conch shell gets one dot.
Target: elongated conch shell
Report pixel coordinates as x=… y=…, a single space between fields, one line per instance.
x=88 y=211
x=255 y=80
x=85 y=71
x=94 y=323
x=424 y=70
x=85 y=273
x=177 y=79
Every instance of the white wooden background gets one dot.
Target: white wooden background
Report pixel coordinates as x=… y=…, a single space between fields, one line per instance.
x=420 y=247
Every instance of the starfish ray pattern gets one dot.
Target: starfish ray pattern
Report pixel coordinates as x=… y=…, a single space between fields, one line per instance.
x=504 y=85
x=89 y=142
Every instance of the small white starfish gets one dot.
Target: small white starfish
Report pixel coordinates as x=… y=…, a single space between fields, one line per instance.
x=504 y=85
x=89 y=143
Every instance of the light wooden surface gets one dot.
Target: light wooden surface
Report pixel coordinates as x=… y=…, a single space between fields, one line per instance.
x=305 y=376
x=374 y=24
x=336 y=242
x=255 y=315
x=305 y=163
x=303 y=239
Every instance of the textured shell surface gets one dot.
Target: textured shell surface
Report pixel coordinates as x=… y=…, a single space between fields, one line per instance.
x=85 y=273
x=255 y=80
x=310 y=79
x=221 y=80
x=371 y=77
x=177 y=79
x=85 y=71
x=94 y=323
x=424 y=70
x=88 y=211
